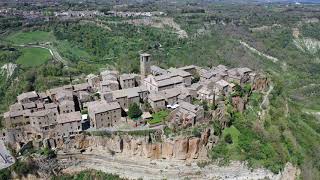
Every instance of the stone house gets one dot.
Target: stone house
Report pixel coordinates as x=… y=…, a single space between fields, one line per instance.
x=239 y=75
x=171 y=96
x=93 y=80
x=66 y=106
x=50 y=106
x=28 y=97
x=64 y=95
x=188 y=114
x=30 y=105
x=16 y=118
x=213 y=74
x=69 y=124
x=177 y=94
x=222 y=86
x=82 y=87
x=205 y=94
x=156 y=70
x=109 y=85
x=43 y=122
x=162 y=82
x=103 y=114
x=16 y=107
x=187 y=77
x=109 y=75
x=126 y=97
x=83 y=98
x=157 y=101
x=128 y=80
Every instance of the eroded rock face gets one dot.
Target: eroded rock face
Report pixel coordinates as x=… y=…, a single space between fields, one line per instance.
x=193 y=148
x=180 y=148
x=238 y=103
x=260 y=83
x=167 y=150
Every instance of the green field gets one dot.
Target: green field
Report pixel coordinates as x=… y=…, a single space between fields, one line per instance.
x=30 y=37
x=70 y=51
x=32 y=57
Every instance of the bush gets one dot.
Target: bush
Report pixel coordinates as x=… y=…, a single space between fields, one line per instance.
x=5 y=173
x=158 y=117
x=217 y=128
x=49 y=153
x=134 y=111
x=23 y=168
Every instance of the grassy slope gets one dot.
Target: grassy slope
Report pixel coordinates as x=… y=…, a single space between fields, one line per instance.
x=32 y=57
x=30 y=37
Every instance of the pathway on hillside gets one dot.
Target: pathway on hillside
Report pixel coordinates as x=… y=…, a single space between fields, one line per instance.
x=265 y=102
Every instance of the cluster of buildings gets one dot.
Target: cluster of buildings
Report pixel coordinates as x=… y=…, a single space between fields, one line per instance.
x=103 y=100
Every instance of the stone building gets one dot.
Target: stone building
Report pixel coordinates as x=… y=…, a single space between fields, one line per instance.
x=28 y=97
x=188 y=114
x=145 y=65
x=66 y=106
x=43 y=123
x=205 y=94
x=128 y=80
x=93 y=80
x=16 y=118
x=82 y=87
x=69 y=124
x=187 y=77
x=156 y=70
x=157 y=101
x=109 y=85
x=103 y=114
x=239 y=75
x=126 y=97
x=162 y=82
x=63 y=95
x=109 y=75
x=222 y=86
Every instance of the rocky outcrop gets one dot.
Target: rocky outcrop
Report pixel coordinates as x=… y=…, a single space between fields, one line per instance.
x=180 y=149
x=260 y=83
x=167 y=150
x=238 y=103
x=193 y=148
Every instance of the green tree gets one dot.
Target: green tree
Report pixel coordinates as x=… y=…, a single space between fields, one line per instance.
x=134 y=111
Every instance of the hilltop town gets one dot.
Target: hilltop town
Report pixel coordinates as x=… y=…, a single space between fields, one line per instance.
x=183 y=97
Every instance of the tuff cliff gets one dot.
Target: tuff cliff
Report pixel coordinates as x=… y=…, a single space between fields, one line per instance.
x=180 y=148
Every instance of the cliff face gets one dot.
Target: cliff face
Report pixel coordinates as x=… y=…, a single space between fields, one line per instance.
x=180 y=148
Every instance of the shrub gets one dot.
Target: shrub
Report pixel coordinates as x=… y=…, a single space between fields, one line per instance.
x=134 y=111
x=5 y=173
x=196 y=132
